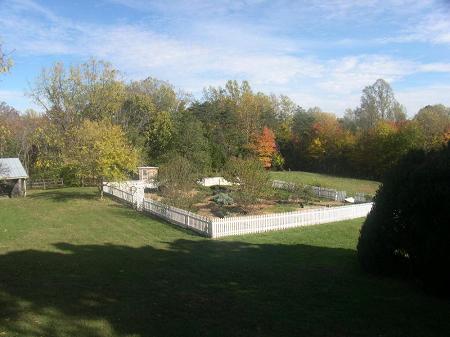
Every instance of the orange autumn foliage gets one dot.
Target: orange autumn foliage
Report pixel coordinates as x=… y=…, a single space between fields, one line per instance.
x=265 y=147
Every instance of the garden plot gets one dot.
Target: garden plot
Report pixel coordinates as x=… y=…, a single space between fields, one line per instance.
x=221 y=201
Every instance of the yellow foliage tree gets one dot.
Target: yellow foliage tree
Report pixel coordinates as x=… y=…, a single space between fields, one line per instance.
x=5 y=134
x=45 y=150
x=100 y=151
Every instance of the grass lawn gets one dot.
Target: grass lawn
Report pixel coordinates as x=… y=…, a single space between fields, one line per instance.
x=339 y=183
x=72 y=265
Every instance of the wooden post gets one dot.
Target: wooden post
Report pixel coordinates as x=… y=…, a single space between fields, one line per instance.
x=24 y=184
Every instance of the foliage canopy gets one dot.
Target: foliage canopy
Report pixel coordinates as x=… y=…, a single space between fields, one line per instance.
x=100 y=150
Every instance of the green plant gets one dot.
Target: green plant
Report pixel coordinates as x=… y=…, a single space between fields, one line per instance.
x=408 y=228
x=219 y=189
x=177 y=179
x=250 y=178
x=277 y=161
x=223 y=199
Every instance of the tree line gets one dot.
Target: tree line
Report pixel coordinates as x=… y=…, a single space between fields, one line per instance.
x=95 y=124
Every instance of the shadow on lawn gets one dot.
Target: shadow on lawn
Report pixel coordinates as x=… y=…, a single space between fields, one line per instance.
x=198 y=288
x=65 y=195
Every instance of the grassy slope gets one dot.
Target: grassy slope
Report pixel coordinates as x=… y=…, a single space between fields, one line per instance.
x=71 y=265
x=342 y=184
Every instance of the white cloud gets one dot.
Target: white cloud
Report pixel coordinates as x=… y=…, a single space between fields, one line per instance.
x=7 y=95
x=211 y=53
x=416 y=98
x=350 y=74
x=17 y=99
x=435 y=67
x=431 y=28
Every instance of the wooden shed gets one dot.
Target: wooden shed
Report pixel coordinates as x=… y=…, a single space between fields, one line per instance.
x=13 y=177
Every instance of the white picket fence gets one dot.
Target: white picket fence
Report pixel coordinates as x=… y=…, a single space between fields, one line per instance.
x=276 y=221
x=120 y=194
x=321 y=192
x=360 y=197
x=284 y=185
x=216 y=227
x=178 y=216
x=129 y=185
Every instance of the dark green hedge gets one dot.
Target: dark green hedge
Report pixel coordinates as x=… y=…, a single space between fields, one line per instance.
x=408 y=230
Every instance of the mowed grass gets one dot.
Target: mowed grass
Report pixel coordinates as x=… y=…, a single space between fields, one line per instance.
x=73 y=265
x=349 y=185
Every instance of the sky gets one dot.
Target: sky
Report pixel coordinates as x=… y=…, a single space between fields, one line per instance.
x=318 y=52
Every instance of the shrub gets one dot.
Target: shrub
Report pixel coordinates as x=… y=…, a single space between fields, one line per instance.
x=223 y=199
x=295 y=192
x=70 y=177
x=219 y=189
x=408 y=228
x=177 y=179
x=250 y=178
x=277 y=161
x=303 y=192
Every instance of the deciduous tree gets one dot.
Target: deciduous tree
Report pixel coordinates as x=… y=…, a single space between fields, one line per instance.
x=136 y=116
x=100 y=150
x=5 y=61
x=177 y=178
x=190 y=141
x=265 y=147
x=250 y=178
x=159 y=136
x=91 y=91
x=434 y=120
x=378 y=103
x=162 y=94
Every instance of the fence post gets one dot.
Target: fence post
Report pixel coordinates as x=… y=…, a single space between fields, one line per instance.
x=140 y=196
x=210 y=229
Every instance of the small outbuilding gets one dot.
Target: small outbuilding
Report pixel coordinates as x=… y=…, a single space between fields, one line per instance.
x=148 y=173
x=13 y=177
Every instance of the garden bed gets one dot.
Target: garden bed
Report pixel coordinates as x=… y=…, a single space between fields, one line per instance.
x=277 y=201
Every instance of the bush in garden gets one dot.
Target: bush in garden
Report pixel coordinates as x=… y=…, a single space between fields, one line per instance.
x=223 y=199
x=296 y=193
x=305 y=193
x=277 y=161
x=219 y=189
x=69 y=176
x=408 y=229
x=250 y=178
x=177 y=179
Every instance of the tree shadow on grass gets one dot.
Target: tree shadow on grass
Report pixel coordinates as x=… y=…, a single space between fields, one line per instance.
x=66 y=195
x=206 y=288
x=122 y=209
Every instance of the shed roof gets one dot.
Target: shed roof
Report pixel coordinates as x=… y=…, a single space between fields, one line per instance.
x=12 y=168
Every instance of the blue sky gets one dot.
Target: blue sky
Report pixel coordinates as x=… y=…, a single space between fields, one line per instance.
x=320 y=53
